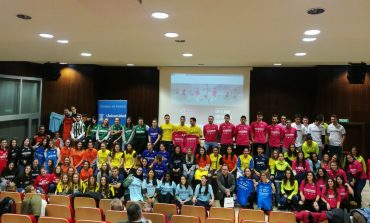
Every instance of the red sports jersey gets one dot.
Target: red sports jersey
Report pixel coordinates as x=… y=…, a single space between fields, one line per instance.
x=310 y=191
x=242 y=134
x=275 y=135
x=3 y=159
x=178 y=139
x=210 y=132
x=289 y=136
x=227 y=131
x=67 y=126
x=259 y=131
x=190 y=141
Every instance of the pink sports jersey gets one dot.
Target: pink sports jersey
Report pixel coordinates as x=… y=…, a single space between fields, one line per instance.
x=242 y=134
x=321 y=182
x=340 y=172
x=275 y=135
x=330 y=198
x=301 y=167
x=343 y=192
x=3 y=159
x=259 y=130
x=210 y=132
x=356 y=170
x=178 y=139
x=190 y=141
x=226 y=131
x=310 y=191
x=289 y=136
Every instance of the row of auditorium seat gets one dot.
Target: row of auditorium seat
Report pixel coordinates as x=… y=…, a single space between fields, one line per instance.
x=86 y=209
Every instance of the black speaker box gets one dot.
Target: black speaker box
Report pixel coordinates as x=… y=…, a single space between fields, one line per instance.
x=356 y=73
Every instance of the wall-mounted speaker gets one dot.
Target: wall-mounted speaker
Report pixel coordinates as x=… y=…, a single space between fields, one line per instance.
x=356 y=73
x=51 y=71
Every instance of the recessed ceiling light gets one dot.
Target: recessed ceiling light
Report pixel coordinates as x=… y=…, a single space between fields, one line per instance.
x=86 y=54
x=160 y=15
x=130 y=64
x=46 y=35
x=171 y=35
x=312 y=32
x=187 y=54
x=277 y=64
x=309 y=39
x=24 y=16
x=300 y=54
x=63 y=41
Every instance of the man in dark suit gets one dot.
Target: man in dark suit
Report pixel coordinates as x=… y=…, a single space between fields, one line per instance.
x=226 y=184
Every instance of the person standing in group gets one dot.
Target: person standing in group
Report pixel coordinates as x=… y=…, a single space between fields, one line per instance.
x=128 y=133
x=289 y=135
x=91 y=130
x=194 y=129
x=226 y=131
x=78 y=130
x=310 y=147
x=141 y=136
x=102 y=133
x=305 y=122
x=154 y=135
x=225 y=183
x=67 y=124
x=245 y=160
x=337 y=135
x=210 y=132
x=274 y=135
x=283 y=121
x=182 y=127
x=243 y=135
x=259 y=133
x=300 y=131
x=317 y=132
x=115 y=134
x=167 y=129
x=261 y=163
x=52 y=153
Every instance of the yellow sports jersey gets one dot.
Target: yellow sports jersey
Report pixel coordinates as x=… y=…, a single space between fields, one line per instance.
x=116 y=160
x=167 y=130
x=91 y=189
x=182 y=128
x=195 y=131
x=63 y=188
x=215 y=161
x=244 y=162
x=287 y=187
x=129 y=159
x=103 y=157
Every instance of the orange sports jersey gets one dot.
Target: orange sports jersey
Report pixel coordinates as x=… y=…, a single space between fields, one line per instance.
x=203 y=162
x=90 y=155
x=77 y=156
x=65 y=152
x=230 y=162
x=84 y=174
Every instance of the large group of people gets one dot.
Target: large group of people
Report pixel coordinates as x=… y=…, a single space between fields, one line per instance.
x=292 y=164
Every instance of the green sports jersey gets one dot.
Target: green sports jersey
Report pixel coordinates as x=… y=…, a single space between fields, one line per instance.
x=91 y=130
x=116 y=128
x=141 y=133
x=102 y=132
x=128 y=132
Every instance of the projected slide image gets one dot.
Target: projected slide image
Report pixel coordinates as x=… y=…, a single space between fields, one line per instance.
x=199 y=89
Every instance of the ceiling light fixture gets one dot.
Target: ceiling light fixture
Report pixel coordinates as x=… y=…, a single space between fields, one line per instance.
x=24 y=16
x=62 y=63
x=130 y=64
x=300 y=54
x=63 y=41
x=171 y=35
x=309 y=39
x=86 y=54
x=277 y=64
x=187 y=54
x=46 y=35
x=160 y=15
x=312 y=32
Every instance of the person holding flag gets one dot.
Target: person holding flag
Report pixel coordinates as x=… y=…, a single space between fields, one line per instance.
x=246 y=194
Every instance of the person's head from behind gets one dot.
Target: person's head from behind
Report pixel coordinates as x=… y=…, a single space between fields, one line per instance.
x=30 y=189
x=116 y=205
x=134 y=212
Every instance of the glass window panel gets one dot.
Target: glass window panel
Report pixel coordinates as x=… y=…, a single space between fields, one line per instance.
x=14 y=129
x=9 y=89
x=30 y=96
x=34 y=126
